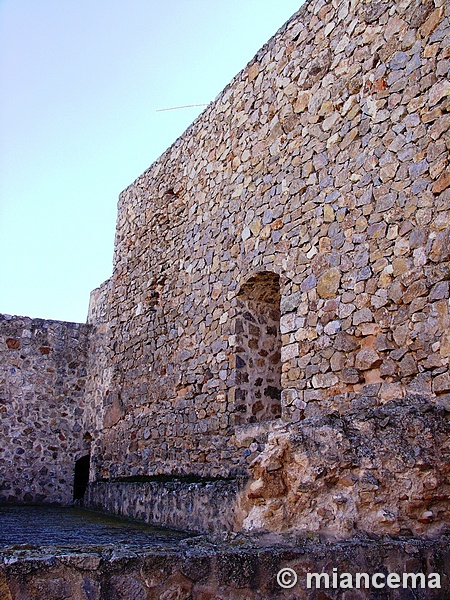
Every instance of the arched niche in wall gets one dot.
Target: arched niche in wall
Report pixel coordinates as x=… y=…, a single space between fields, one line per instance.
x=258 y=350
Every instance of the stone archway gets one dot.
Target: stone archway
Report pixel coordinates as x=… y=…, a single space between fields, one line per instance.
x=258 y=350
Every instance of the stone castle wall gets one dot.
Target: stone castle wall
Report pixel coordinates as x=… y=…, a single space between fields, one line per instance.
x=285 y=263
x=322 y=167
x=42 y=378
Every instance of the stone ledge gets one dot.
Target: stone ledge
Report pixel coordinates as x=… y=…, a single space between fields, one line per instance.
x=202 y=506
x=237 y=566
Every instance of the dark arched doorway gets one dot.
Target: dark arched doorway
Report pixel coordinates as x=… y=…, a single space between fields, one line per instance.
x=81 y=478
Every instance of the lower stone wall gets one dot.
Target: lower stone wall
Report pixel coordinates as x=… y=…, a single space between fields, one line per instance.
x=238 y=570
x=205 y=506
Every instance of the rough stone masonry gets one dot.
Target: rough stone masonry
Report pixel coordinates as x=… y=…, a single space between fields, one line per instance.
x=279 y=303
x=43 y=373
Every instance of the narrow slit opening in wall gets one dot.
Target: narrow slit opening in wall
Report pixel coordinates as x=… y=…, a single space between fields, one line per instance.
x=258 y=350
x=81 y=477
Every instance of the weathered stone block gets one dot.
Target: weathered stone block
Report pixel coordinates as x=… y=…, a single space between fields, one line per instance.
x=441 y=383
x=367 y=359
x=324 y=380
x=328 y=283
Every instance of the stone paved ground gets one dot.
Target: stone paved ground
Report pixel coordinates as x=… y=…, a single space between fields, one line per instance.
x=33 y=527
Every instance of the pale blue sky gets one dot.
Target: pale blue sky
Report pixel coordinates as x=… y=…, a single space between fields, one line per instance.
x=80 y=83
